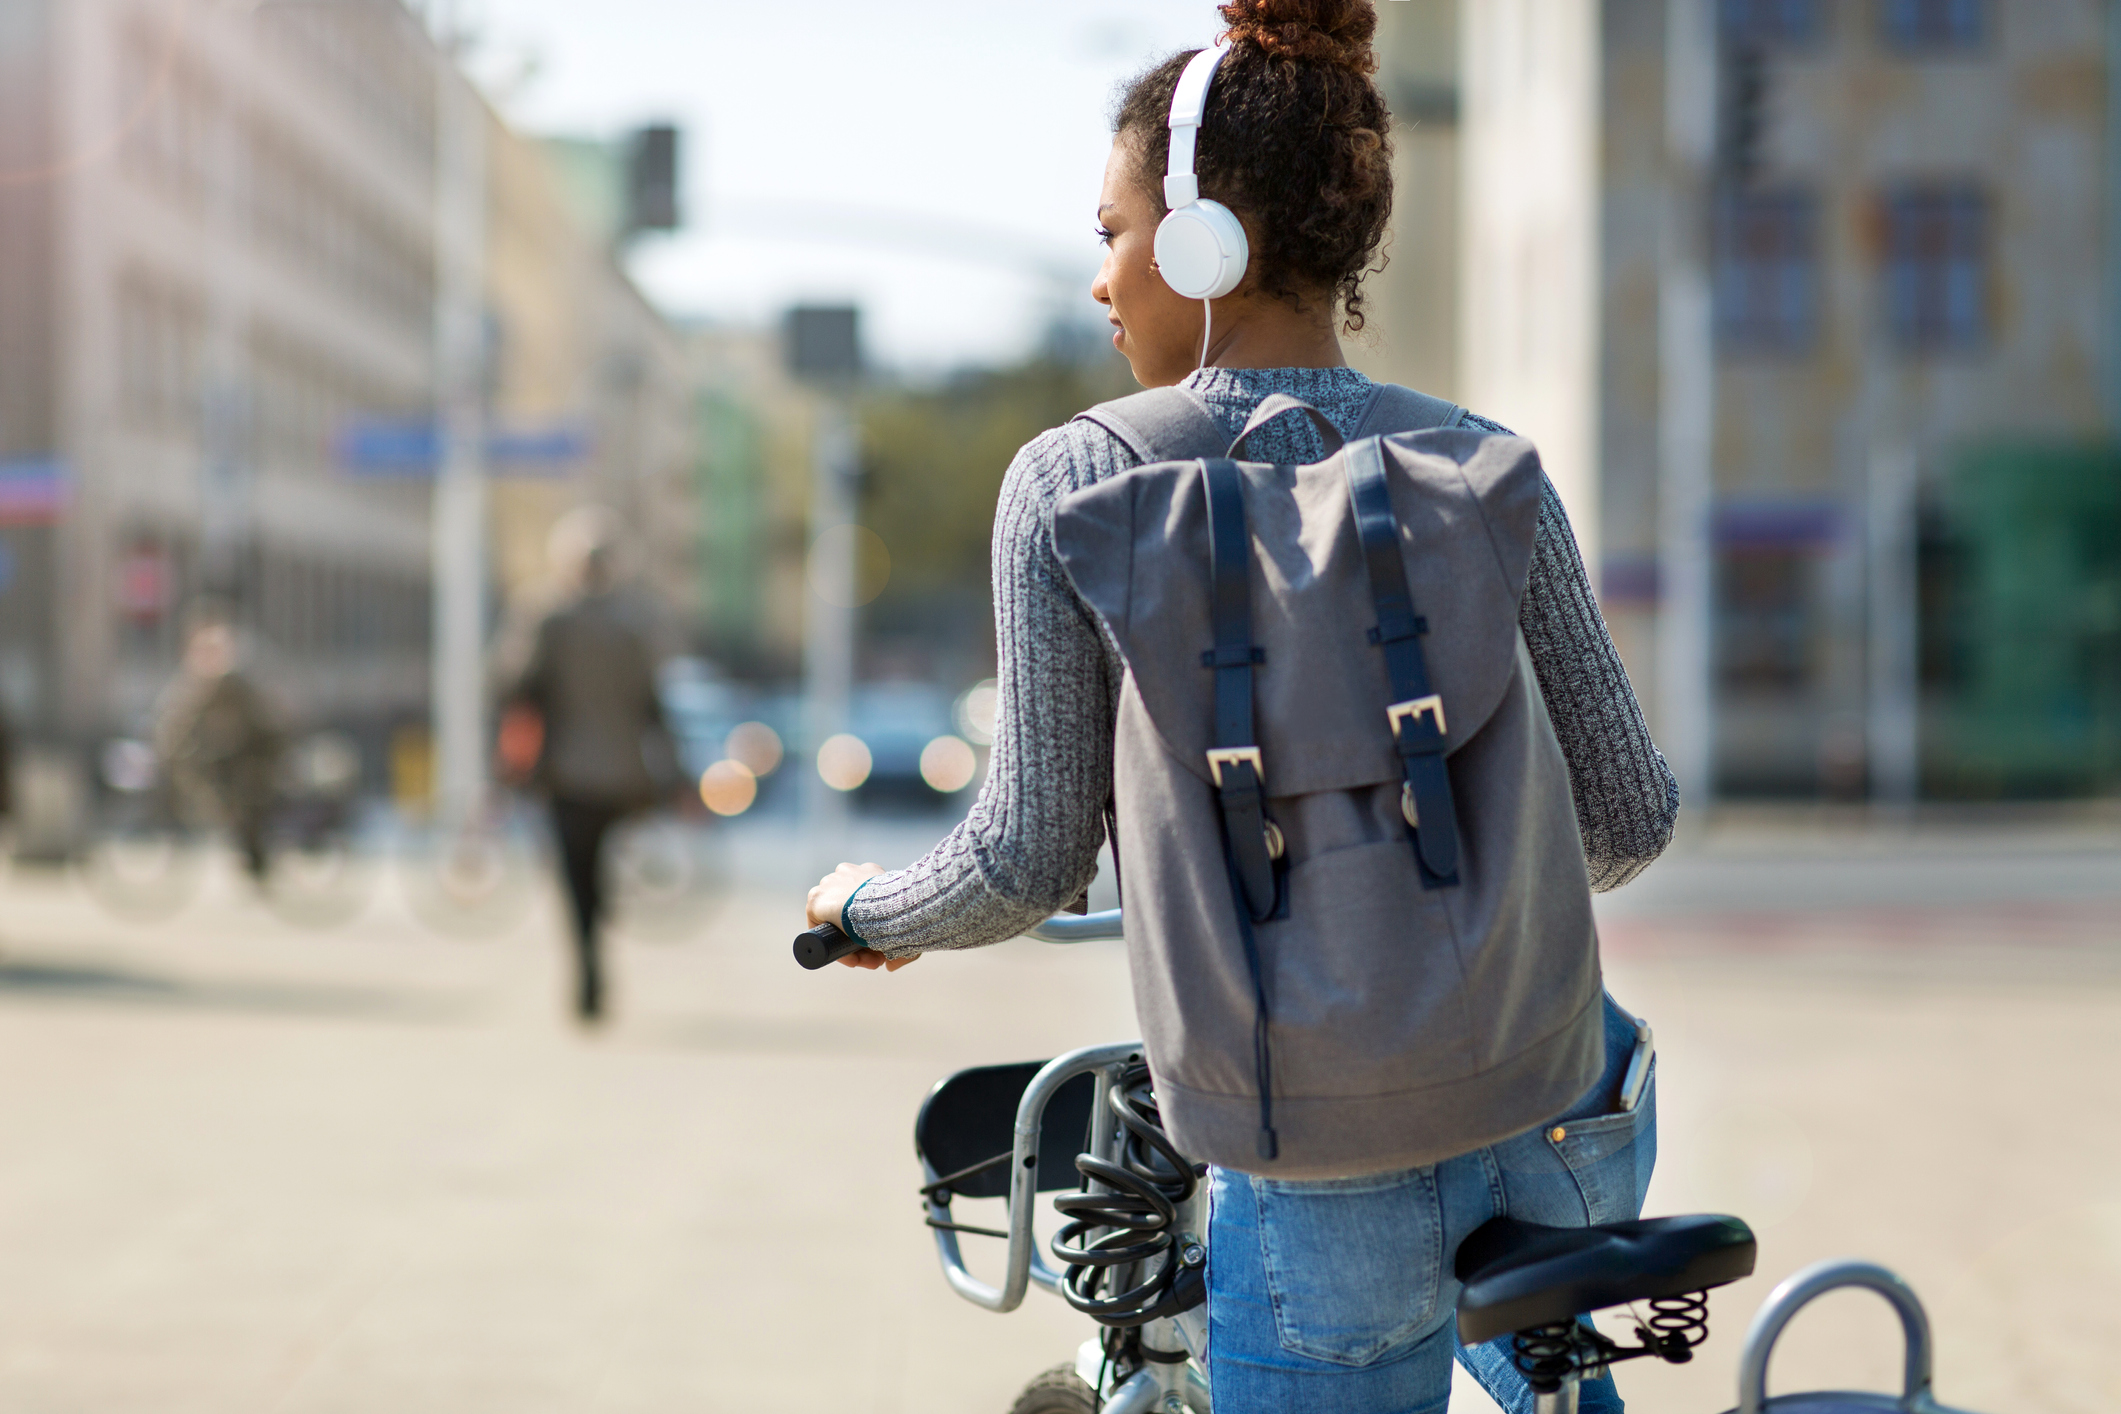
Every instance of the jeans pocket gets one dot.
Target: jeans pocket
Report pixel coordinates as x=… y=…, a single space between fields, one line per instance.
x=1353 y=1266
x=1611 y=1155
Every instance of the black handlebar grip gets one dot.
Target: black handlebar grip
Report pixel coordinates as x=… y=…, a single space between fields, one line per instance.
x=823 y=945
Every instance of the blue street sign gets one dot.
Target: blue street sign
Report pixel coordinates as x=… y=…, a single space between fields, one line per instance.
x=377 y=447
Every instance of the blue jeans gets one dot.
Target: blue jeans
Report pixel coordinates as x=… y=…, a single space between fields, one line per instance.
x=1336 y=1297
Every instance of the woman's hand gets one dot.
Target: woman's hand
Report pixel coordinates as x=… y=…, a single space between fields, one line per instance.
x=828 y=900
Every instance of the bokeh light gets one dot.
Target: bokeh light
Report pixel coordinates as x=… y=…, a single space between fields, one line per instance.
x=849 y=565
x=130 y=766
x=756 y=745
x=728 y=787
x=949 y=763
x=976 y=711
x=843 y=762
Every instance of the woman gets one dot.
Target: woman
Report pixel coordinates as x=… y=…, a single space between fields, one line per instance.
x=1322 y=1295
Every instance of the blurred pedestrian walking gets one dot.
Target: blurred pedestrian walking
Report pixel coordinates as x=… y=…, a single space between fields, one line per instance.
x=603 y=752
x=220 y=739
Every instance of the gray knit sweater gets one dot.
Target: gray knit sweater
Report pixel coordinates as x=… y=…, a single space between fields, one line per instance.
x=1029 y=845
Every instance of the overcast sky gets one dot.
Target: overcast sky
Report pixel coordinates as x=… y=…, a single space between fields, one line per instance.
x=935 y=161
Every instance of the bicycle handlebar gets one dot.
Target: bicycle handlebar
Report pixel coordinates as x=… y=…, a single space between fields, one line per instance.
x=826 y=944
x=823 y=945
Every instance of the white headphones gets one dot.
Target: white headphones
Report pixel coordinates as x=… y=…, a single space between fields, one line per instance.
x=1200 y=246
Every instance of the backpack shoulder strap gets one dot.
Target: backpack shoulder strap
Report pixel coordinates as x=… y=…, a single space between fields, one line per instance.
x=1396 y=409
x=1161 y=425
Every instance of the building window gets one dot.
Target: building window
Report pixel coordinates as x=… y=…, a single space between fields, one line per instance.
x=1781 y=24
x=1937 y=251
x=1767 y=270
x=1766 y=620
x=1933 y=26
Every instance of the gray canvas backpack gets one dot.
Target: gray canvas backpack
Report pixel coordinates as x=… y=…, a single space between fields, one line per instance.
x=1357 y=912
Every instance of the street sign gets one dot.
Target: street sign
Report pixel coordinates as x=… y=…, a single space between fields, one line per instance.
x=34 y=490
x=410 y=448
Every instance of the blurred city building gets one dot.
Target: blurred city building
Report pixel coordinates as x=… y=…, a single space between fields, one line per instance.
x=753 y=465
x=215 y=251
x=593 y=389
x=1813 y=309
x=217 y=356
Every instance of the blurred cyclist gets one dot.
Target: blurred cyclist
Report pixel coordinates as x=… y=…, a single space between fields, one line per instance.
x=219 y=739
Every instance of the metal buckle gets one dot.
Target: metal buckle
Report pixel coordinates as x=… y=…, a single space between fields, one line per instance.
x=1221 y=756
x=1416 y=707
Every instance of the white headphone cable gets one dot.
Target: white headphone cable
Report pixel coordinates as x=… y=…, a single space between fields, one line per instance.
x=1207 y=328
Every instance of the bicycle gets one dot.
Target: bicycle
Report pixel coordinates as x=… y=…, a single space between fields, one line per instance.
x=1133 y=1247
x=156 y=832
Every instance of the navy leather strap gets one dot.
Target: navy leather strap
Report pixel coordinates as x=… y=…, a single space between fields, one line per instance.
x=1266 y=1144
x=1234 y=760
x=1416 y=712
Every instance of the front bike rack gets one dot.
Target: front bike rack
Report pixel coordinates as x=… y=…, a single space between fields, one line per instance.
x=1024 y=1263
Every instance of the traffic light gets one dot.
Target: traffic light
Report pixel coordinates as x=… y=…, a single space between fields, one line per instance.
x=652 y=179
x=824 y=341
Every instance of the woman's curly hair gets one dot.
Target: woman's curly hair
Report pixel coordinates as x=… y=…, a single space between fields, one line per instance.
x=1296 y=140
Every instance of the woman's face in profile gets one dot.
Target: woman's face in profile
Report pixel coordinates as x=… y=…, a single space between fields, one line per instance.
x=1158 y=331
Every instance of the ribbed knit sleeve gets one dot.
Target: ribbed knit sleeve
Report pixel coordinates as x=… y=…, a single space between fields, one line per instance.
x=1627 y=800
x=1029 y=845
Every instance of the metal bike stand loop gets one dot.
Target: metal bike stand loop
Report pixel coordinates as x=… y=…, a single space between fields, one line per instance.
x=1793 y=1295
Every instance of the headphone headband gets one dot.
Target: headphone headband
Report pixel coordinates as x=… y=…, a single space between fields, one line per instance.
x=1200 y=245
x=1189 y=104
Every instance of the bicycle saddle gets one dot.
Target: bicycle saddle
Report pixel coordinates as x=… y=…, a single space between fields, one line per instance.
x=1519 y=1275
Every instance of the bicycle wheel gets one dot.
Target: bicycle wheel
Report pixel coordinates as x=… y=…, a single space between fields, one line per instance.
x=666 y=876
x=142 y=872
x=472 y=883
x=317 y=880
x=1059 y=1391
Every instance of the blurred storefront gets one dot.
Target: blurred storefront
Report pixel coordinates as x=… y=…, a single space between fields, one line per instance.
x=1858 y=261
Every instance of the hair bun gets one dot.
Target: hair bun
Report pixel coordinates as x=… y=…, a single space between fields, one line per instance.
x=1336 y=32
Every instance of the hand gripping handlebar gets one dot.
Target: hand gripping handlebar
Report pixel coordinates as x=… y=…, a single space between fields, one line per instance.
x=816 y=947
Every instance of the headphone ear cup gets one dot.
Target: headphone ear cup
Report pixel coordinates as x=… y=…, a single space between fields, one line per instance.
x=1201 y=250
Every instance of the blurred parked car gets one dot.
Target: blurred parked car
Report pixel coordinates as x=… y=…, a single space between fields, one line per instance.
x=701 y=708
x=915 y=754
x=720 y=726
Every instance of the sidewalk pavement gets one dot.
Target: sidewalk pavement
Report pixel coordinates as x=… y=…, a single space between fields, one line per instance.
x=255 y=1169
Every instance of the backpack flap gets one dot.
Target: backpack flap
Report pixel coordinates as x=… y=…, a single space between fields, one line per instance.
x=1136 y=547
